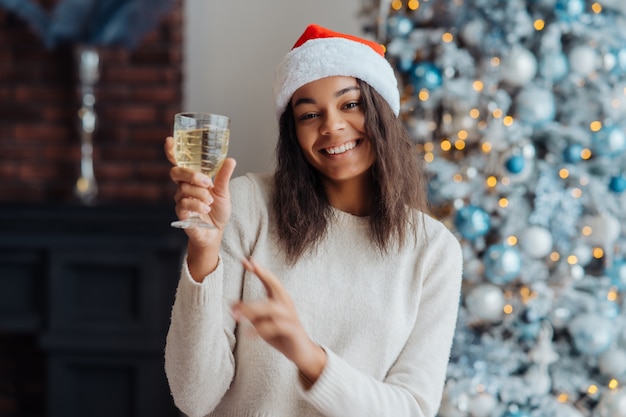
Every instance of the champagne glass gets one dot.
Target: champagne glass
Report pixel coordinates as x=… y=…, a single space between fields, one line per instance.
x=201 y=144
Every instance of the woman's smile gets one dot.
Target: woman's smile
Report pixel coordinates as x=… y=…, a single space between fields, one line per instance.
x=341 y=149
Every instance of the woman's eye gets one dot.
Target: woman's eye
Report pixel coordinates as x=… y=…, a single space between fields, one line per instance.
x=352 y=104
x=307 y=116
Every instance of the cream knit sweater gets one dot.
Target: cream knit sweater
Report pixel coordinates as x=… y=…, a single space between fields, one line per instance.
x=386 y=322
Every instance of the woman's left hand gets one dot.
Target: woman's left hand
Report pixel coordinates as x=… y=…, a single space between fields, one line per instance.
x=276 y=321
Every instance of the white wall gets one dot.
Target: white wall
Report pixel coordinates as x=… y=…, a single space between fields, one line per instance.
x=231 y=50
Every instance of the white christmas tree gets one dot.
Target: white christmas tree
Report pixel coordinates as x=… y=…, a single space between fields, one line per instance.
x=519 y=107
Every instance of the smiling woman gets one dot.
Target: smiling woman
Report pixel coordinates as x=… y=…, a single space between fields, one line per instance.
x=342 y=278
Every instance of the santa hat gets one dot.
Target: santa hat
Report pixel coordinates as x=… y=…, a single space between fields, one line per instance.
x=321 y=53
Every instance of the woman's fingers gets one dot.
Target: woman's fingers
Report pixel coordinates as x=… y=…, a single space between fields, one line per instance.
x=273 y=286
x=169 y=149
x=179 y=175
x=223 y=176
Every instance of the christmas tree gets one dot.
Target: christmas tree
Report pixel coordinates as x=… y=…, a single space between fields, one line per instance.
x=519 y=109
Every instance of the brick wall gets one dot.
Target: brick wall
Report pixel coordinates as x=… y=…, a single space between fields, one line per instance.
x=136 y=96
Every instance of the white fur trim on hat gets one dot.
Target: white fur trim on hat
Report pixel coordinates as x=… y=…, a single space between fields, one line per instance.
x=326 y=57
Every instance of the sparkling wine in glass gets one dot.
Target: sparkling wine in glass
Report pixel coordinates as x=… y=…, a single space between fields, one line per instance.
x=201 y=144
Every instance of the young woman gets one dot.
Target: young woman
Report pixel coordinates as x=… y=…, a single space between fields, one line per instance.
x=325 y=290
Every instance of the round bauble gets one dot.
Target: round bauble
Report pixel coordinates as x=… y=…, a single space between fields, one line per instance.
x=592 y=333
x=485 y=303
x=482 y=405
x=535 y=106
x=609 y=141
x=425 y=75
x=503 y=263
x=536 y=241
x=472 y=222
x=612 y=404
x=617 y=183
x=518 y=67
x=613 y=364
x=583 y=60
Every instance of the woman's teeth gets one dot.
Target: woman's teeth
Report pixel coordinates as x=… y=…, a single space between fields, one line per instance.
x=341 y=149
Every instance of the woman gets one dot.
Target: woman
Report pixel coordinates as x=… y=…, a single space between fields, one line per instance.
x=325 y=290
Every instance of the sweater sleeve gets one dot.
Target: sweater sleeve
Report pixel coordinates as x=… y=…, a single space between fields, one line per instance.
x=198 y=350
x=413 y=386
x=199 y=359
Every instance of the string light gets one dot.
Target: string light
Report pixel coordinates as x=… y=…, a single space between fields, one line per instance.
x=447 y=37
x=539 y=24
x=585 y=154
x=597 y=8
x=503 y=202
x=413 y=4
x=491 y=181
x=445 y=145
x=595 y=126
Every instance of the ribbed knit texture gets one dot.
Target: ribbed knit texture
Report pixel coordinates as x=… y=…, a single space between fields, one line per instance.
x=386 y=322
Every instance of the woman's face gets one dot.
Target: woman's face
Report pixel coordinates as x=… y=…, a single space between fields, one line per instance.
x=330 y=126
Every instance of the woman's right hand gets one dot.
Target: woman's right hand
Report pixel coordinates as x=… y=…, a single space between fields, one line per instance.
x=197 y=193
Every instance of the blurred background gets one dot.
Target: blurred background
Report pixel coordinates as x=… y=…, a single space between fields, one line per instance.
x=517 y=108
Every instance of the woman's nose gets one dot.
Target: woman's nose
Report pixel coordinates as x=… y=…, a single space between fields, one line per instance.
x=332 y=122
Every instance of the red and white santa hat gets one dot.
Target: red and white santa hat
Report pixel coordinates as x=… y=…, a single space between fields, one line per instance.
x=321 y=53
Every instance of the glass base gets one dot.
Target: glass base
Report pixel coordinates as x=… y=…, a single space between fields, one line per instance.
x=191 y=223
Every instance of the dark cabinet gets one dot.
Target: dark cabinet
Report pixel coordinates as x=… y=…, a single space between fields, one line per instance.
x=95 y=285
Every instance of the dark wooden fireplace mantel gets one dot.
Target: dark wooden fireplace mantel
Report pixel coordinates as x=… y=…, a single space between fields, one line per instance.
x=94 y=287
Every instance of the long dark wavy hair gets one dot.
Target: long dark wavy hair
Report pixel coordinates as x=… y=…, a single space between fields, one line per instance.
x=399 y=183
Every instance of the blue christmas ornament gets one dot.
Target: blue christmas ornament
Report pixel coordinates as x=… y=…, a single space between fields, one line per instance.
x=503 y=263
x=572 y=153
x=515 y=164
x=472 y=222
x=609 y=141
x=399 y=26
x=592 y=333
x=405 y=64
x=617 y=273
x=425 y=75
x=569 y=10
x=615 y=61
x=617 y=184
